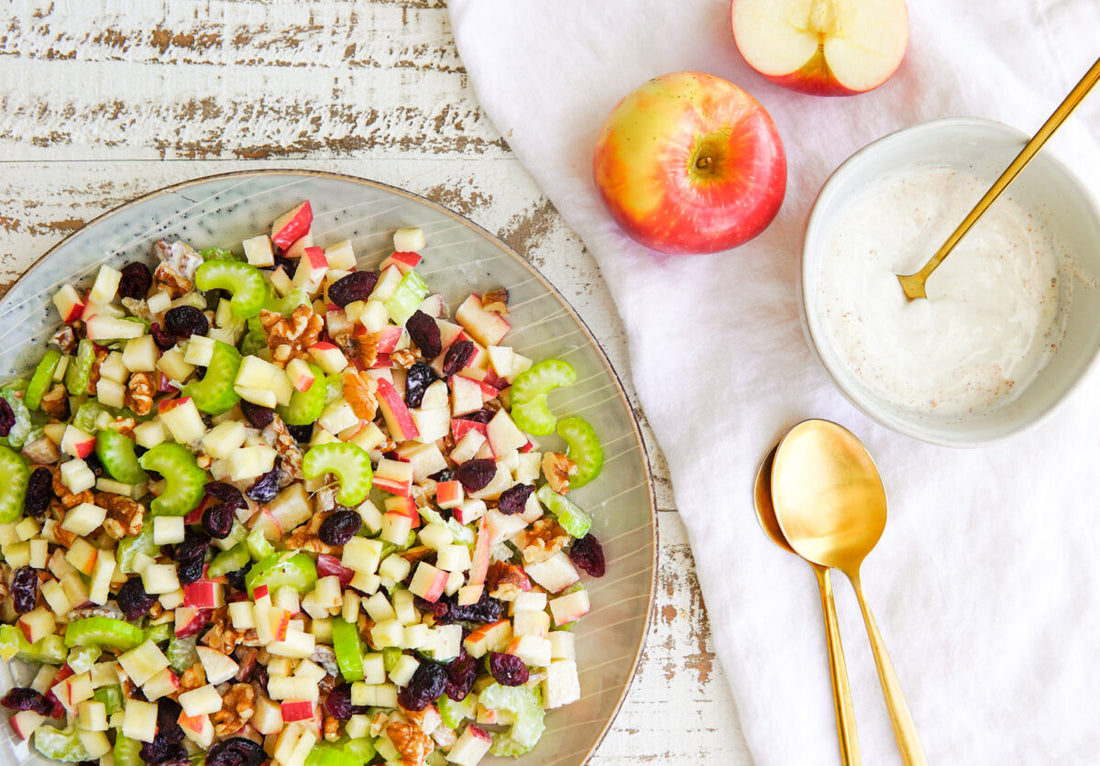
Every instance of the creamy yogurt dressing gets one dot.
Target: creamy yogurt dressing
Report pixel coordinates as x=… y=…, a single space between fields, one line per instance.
x=994 y=313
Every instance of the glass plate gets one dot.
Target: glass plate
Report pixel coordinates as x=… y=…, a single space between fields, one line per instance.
x=460 y=257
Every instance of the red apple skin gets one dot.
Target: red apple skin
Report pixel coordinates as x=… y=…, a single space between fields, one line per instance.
x=690 y=163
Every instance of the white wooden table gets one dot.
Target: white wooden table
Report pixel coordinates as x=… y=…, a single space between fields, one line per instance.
x=104 y=100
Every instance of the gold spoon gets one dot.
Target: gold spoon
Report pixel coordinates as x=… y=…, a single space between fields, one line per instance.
x=831 y=506
x=842 y=692
x=913 y=284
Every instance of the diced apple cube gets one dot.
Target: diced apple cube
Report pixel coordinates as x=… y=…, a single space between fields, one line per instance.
x=26 y=722
x=292 y=225
x=37 y=624
x=533 y=650
x=486 y=327
x=374 y=695
x=570 y=607
x=103 y=327
x=182 y=419
x=396 y=528
x=77 y=476
x=76 y=442
x=224 y=439
x=388 y=633
x=84 y=519
x=218 y=666
x=491 y=637
x=255 y=374
x=114 y=368
x=250 y=462
x=99 y=589
x=160 y=578
x=403 y=670
x=465 y=396
x=105 y=286
x=140 y=720
x=150 y=433
x=329 y=357
x=562 y=645
x=161 y=685
x=258 y=252
x=471 y=747
x=143 y=662
x=555 y=574
x=453 y=558
x=69 y=303
x=205 y=699
x=409 y=240
x=561 y=686
x=168 y=530
x=428 y=582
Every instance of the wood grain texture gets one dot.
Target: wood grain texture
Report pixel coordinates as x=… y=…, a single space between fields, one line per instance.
x=104 y=100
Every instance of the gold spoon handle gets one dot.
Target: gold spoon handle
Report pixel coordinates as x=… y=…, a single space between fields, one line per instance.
x=905 y=731
x=913 y=284
x=842 y=692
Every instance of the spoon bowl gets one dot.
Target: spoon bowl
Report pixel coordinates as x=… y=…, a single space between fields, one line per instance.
x=842 y=692
x=831 y=507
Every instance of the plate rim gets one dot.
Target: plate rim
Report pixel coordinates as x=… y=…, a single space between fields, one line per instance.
x=620 y=390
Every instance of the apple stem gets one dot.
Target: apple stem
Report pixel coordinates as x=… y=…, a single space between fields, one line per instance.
x=703 y=163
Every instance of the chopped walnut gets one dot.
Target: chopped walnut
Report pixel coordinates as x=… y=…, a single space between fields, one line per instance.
x=138 y=308
x=125 y=426
x=444 y=736
x=168 y=280
x=221 y=635
x=101 y=353
x=506 y=581
x=496 y=301
x=413 y=744
x=290 y=337
x=286 y=446
x=246 y=661
x=193 y=678
x=66 y=497
x=360 y=391
x=331 y=729
x=364 y=348
x=55 y=402
x=544 y=538
x=238 y=706
x=416 y=553
x=305 y=537
x=65 y=339
x=177 y=268
x=403 y=358
x=557 y=469
x=124 y=516
x=140 y=391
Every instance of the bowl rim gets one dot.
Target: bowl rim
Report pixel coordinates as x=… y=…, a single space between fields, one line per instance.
x=620 y=390
x=815 y=223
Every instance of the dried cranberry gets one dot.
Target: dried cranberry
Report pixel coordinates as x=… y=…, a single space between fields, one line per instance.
x=7 y=417
x=24 y=589
x=217 y=520
x=487 y=609
x=21 y=698
x=457 y=357
x=236 y=577
x=236 y=751
x=514 y=499
x=288 y=265
x=508 y=669
x=134 y=602
x=95 y=464
x=338 y=704
x=417 y=380
x=190 y=555
x=168 y=715
x=39 y=493
x=587 y=553
x=267 y=486
x=356 y=286
x=340 y=527
x=424 y=688
x=161 y=751
x=445 y=475
x=185 y=321
x=437 y=609
x=476 y=474
x=227 y=493
x=301 y=434
x=135 y=281
x=424 y=332
x=481 y=416
x=163 y=339
x=259 y=417
x=461 y=674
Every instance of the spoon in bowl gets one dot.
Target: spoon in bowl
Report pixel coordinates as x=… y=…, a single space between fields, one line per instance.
x=831 y=506
x=913 y=284
x=842 y=692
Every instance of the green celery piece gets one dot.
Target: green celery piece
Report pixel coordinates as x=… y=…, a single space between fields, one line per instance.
x=219 y=254
x=229 y=561
x=306 y=406
x=349 y=462
x=79 y=372
x=103 y=631
x=181 y=653
x=22 y=426
x=390 y=657
x=335 y=387
x=541 y=378
x=526 y=705
x=288 y=568
x=454 y=713
x=348 y=648
x=81 y=658
x=534 y=416
x=288 y=302
x=571 y=516
x=110 y=696
x=258 y=546
x=362 y=749
x=87 y=416
x=158 y=633
x=116 y=452
x=48 y=650
x=244 y=281
x=13 y=490
x=185 y=481
x=129 y=547
x=214 y=394
x=583 y=448
x=254 y=340
x=355 y=752
x=406 y=299
x=60 y=745
x=42 y=379
x=127 y=751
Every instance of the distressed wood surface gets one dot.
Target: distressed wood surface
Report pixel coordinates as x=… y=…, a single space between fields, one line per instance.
x=105 y=100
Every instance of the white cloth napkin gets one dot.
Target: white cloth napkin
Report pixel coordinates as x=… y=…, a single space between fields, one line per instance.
x=985 y=584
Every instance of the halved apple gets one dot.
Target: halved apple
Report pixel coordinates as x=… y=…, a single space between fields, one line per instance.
x=822 y=47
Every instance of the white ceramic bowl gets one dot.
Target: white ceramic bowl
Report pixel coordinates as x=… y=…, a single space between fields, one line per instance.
x=1046 y=188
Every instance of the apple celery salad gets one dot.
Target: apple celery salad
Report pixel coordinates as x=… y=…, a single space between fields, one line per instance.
x=271 y=508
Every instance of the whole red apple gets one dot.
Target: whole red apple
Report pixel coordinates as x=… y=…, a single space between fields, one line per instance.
x=822 y=47
x=690 y=163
